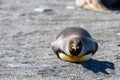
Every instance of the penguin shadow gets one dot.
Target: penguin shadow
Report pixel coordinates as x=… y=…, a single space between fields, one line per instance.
x=98 y=66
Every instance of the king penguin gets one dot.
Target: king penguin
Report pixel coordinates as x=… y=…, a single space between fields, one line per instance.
x=74 y=44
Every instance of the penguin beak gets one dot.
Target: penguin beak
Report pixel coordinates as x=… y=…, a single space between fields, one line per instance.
x=74 y=47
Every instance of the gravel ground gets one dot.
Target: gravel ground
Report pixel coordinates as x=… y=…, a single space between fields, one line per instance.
x=27 y=30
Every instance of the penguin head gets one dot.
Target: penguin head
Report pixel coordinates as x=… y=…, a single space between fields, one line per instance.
x=75 y=46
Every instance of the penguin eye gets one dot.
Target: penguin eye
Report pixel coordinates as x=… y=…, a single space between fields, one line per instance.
x=72 y=46
x=77 y=47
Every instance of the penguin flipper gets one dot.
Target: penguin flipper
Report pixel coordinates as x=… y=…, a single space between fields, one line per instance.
x=56 y=49
x=96 y=48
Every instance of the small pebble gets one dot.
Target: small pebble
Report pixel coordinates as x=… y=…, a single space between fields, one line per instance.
x=118 y=34
x=20 y=14
x=43 y=10
x=70 y=7
x=118 y=44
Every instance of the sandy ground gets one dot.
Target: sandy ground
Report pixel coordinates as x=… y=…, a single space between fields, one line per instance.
x=26 y=35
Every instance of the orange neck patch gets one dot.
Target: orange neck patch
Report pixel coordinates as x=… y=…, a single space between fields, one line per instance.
x=75 y=58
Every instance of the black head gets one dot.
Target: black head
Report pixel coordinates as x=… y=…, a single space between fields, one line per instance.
x=75 y=46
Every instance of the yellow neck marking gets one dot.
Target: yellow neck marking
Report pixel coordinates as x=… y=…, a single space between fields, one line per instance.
x=75 y=58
